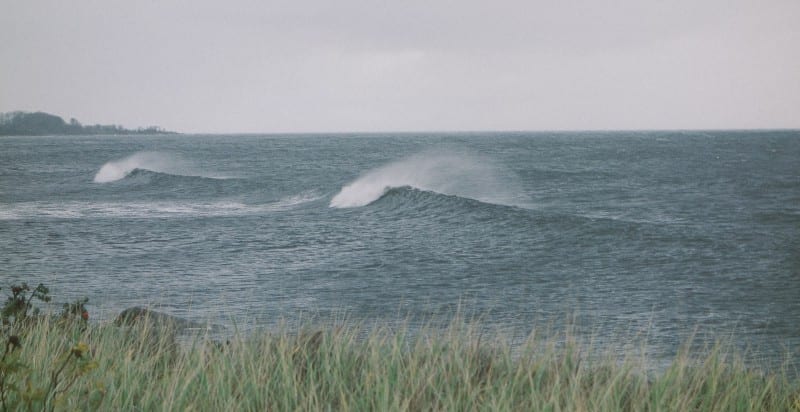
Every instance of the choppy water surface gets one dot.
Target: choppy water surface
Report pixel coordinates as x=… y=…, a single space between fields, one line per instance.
x=655 y=233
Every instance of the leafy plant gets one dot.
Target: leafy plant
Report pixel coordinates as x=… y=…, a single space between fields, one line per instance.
x=76 y=309
x=19 y=306
x=20 y=320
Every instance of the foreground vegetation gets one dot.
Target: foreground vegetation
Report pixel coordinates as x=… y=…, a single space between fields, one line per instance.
x=65 y=363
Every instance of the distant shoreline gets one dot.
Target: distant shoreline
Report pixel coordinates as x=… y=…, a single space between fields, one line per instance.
x=45 y=124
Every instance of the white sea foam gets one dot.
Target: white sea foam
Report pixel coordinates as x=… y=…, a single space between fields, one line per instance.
x=455 y=174
x=292 y=201
x=157 y=209
x=81 y=210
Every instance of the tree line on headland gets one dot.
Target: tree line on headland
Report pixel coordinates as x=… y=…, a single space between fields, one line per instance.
x=41 y=124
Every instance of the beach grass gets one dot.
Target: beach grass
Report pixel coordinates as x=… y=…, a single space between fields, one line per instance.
x=80 y=366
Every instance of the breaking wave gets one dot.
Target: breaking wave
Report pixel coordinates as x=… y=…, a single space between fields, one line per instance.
x=455 y=174
x=149 y=161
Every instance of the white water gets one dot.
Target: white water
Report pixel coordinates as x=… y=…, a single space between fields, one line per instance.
x=454 y=174
x=153 y=161
x=296 y=200
x=157 y=209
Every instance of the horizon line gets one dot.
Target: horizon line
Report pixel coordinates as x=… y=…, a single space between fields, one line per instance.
x=492 y=131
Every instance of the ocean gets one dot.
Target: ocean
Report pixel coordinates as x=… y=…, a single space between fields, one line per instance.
x=660 y=235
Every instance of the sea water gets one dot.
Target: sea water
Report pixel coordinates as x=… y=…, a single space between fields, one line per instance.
x=665 y=235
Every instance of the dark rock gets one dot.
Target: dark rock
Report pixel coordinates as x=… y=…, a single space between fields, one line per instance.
x=136 y=314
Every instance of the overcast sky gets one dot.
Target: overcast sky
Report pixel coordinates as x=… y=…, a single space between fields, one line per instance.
x=349 y=65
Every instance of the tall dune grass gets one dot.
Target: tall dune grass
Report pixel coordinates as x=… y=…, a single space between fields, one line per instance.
x=350 y=368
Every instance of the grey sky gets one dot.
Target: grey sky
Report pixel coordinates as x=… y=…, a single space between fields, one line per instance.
x=348 y=65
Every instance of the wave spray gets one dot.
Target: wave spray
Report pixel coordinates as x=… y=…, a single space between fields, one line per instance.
x=454 y=174
x=152 y=161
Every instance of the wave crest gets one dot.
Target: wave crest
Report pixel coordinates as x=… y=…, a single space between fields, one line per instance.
x=146 y=161
x=454 y=174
